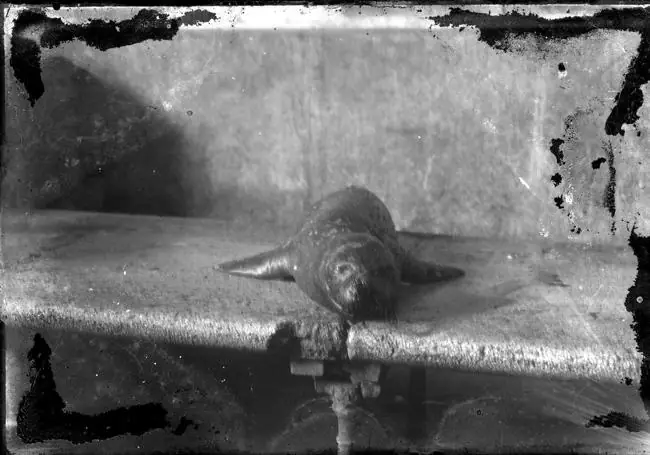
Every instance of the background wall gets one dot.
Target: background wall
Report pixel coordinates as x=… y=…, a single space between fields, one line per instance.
x=455 y=136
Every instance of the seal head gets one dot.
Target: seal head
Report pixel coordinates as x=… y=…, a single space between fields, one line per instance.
x=358 y=276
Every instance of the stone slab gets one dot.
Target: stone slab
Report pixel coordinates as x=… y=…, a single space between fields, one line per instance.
x=153 y=277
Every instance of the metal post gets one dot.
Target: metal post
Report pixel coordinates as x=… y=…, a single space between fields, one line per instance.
x=360 y=381
x=343 y=397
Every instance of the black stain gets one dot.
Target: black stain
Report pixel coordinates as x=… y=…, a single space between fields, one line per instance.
x=636 y=302
x=41 y=415
x=618 y=420
x=25 y=57
x=595 y=164
x=556 y=179
x=33 y=29
x=495 y=29
x=198 y=16
x=630 y=99
x=557 y=152
x=103 y=35
x=628 y=381
x=609 y=196
x=561 y=67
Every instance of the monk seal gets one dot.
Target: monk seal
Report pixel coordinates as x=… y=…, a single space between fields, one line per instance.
x=346 y=257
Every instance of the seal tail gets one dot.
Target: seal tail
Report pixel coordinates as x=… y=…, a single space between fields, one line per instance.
x=269 y=265
x=415 y=271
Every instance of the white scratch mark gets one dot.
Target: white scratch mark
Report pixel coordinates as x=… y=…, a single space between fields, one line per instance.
x=569 y=198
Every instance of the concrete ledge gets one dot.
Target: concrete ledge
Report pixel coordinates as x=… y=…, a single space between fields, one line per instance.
x=458 y=351
x=153 y=277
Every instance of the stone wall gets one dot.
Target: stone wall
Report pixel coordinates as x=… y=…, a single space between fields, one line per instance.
x=455 y=135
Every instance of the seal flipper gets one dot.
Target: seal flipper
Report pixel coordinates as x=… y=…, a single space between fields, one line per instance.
x=274 y=264
x=415 y=271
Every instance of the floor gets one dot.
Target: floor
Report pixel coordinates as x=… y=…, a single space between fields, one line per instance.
x=234 y=401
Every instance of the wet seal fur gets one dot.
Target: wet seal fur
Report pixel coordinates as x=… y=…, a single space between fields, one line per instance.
x=346 y=257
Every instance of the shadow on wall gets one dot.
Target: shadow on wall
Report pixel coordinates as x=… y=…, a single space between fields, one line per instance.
x=91 y=146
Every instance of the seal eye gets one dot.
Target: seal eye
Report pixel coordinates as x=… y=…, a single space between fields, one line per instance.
x=342 y=269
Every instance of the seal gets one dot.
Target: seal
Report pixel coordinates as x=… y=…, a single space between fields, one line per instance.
x=346 y=257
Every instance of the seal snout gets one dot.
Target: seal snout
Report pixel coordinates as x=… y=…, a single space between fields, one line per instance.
x=366 y=293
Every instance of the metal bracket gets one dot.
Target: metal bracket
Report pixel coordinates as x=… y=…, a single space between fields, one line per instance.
x=346 y=384
x=307 y=367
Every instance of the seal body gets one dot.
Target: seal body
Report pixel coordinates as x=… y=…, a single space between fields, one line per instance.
x=346 y=257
